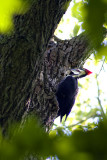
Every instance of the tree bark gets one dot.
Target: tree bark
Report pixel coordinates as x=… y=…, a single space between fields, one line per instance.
x=59 y=58
x=30 y=70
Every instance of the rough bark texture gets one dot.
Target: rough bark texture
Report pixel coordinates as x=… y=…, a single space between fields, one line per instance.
x=59 y=58
x=29 y=73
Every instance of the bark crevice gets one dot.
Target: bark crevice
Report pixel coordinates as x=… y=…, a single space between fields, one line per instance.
x=31 y=66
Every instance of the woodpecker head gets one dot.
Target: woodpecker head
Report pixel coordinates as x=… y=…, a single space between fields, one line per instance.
x=79 y=73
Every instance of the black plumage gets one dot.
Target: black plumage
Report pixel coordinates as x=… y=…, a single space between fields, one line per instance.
x=67 y=91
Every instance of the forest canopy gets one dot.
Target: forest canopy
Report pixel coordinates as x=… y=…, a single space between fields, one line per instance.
x=81 y=141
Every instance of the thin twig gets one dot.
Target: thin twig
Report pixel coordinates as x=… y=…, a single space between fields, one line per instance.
x=93 y=116
x=102 y=67
x=98 y=98
x=73 y=125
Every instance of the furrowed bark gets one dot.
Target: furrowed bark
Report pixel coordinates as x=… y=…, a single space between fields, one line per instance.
x=59 y=58
x=21 y=56
x=29 y=73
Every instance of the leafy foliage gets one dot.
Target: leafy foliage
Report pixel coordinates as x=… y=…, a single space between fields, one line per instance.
x=8 y=8
x=93 y=15
x=32 y=139
x=77 y=141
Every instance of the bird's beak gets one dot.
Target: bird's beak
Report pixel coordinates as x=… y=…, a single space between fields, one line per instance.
x=88 y=72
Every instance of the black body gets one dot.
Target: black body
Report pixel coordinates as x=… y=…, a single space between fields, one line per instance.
x=66 y=94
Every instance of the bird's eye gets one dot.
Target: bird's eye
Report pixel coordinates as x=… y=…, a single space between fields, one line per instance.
x=78 y=70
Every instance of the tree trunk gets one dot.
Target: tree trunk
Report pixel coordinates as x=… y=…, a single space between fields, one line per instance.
x=29 y=70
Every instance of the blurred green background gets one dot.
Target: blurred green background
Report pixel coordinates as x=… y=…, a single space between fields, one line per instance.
x=83 y=135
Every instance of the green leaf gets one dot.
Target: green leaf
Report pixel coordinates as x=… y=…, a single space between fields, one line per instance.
x=76 y=11
x=75 y=30
x=94 y=20
x=102 y=53
x=8 y=8
x=93 y=14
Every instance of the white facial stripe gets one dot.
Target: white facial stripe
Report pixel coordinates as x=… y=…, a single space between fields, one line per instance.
x=75 y=71
x=78 y=73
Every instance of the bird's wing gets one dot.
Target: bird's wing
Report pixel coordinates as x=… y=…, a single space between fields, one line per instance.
x=65 y=94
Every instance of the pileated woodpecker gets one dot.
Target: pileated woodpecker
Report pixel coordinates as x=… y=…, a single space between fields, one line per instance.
x=67 y=91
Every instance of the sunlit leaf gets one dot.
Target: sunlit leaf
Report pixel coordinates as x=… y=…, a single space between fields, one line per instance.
x=8 y=8
x=94 y=20
x=76 y=11
x=93 y=14
x=76 y=29
x=101 y=53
